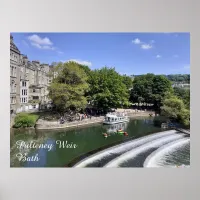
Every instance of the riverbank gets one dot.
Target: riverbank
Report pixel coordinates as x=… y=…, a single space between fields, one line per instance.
x=49 y=125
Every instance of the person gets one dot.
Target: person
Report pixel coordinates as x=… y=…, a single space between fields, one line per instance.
x=61 y=120
x=90 y=117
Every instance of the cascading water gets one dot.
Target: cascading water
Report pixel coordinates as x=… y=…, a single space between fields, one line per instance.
x=127 y=159
x=101 y=158
x=171 y=154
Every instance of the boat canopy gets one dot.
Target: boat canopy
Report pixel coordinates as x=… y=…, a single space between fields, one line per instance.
x=111 y=116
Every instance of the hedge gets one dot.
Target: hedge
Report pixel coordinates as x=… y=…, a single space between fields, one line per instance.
x=25 y=120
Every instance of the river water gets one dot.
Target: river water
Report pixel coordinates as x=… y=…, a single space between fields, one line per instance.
x=145 y=146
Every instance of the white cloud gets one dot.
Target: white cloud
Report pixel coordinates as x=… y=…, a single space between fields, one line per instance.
x=41 y=43
x=82 y=62
x=158 y=56
x=146 y=46
x=136 y=41
x=42 y=46
x=48 y=47
x=36 y=45
x=38 y=40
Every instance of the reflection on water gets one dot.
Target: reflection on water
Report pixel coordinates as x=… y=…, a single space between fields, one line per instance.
x=113 y=128
x=87 y=139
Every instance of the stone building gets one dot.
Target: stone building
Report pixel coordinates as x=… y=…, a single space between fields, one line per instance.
x=14 y=77
x=29 y=82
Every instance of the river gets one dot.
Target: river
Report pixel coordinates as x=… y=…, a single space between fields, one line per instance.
x=145 y=145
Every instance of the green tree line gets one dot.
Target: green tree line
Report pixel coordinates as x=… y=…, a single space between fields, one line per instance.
x=76 y=86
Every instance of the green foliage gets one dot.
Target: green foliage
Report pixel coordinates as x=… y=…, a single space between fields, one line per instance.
x=127 y=81
x=68 y=88
x=107 y=89
x=34 y=102
x=183 y=94
x=150 y=88
x=25 y=120
x=175 y=110
x=184 y=78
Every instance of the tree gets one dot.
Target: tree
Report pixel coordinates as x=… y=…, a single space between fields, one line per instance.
x=107 y=89
x=175 y=110
x=127 y=81
x=151 y=88
x=183 y=94
x=161 y=86
x=179 y=78
x=68 y=88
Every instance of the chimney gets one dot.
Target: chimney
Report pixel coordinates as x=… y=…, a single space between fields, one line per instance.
x=36 y=61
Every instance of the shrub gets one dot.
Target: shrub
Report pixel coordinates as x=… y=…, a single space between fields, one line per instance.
x=25 y=120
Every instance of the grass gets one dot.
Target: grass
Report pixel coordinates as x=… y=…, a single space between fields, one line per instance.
x=23 y=120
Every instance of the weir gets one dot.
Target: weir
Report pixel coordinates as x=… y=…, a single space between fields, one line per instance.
x=102 y=157
x=153 y=159
x=126 y=157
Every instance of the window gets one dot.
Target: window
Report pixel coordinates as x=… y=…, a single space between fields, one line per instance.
x=12 y=100
x=25 y=83
x=15 y=72
x=13 y=86
x=11 y=70
x=33 y=90
x=22 y=92
x=35 y=97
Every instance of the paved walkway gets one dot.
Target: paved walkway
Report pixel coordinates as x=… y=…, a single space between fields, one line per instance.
x=45 y=125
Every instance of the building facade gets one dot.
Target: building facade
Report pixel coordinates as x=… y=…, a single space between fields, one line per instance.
x=29 y=82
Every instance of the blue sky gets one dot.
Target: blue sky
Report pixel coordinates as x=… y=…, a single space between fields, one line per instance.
x=129 y=53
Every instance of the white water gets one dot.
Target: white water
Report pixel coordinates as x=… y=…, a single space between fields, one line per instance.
x=136 y=151
x=122 y=148
x=155 y=159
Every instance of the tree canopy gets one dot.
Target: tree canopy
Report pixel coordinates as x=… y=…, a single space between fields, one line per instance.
x=179 y=78
x=183 y=94
x=68 y=88
x=76 y=85
x=175 y=110
x=127 y=80
x=107 y=89
x=150 y=88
